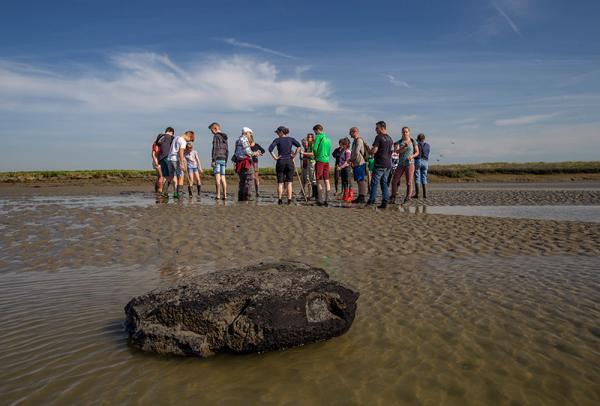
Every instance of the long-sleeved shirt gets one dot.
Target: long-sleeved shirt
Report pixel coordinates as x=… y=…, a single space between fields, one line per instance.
x=220 y=149
x=255 y=148
x=284 y=146
x=357 y=157
x=242 y=148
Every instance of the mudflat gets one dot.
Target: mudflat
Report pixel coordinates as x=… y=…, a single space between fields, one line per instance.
x=453 y=309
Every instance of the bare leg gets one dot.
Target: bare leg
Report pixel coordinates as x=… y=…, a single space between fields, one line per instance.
x=289 y=190
x=224 y=186
x=279 y=191
x=218 y=185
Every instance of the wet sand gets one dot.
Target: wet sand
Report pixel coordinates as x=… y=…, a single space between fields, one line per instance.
x=453 y=309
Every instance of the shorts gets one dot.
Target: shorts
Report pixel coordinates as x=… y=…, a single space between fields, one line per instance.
x=285 y=170
x=192 y=171
x=322 y=170
x=175 y=169
x=164 y=167
x=219 y=168
x=360 y=172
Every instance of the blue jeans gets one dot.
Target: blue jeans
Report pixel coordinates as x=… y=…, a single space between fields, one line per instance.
x=421 y=166
x=379 y=177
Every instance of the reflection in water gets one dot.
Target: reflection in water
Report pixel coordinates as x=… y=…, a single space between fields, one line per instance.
x=432 y=330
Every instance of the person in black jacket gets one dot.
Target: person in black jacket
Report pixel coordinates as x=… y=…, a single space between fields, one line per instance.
x=255 y=148
x=220 y=152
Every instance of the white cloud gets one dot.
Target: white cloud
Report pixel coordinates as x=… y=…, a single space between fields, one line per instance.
x=397 y=82
x=241 y=44
x=523 y=120
x=148 y=82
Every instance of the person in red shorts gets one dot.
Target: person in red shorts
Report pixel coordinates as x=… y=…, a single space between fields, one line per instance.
x=321 y=150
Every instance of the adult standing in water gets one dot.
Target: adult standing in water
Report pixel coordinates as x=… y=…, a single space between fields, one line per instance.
x=406 y=165
x=358 y=159
x=260 y=151
x=177 y=161
x=382 y=151
x=220 y=152
x=308 y=165
x=421 y=166
x=243 y=164
x=163 y=143
x=284 y=166
x=322 y=150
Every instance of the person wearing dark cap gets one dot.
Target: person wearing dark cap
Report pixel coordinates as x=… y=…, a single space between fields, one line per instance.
x=284 y=166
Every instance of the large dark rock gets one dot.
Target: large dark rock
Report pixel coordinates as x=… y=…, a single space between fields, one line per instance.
x=259 y=308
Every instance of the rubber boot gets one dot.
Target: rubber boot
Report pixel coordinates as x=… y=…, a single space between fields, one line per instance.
x=350 y=195
x=190 y=191
x=424 y=192
x=416 y=195
x=359 y=199
x=199 y=188
x=315 y=193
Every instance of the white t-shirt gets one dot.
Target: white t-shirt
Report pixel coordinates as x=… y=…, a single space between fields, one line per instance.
x=178 y=142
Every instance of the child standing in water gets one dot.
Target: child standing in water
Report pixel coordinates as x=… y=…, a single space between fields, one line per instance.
x=194 y=168
x=345 y=169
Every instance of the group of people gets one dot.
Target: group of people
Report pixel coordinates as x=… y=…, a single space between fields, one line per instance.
x=380 y=165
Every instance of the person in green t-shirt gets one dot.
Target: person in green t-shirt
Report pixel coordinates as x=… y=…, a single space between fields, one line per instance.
x=322 y=150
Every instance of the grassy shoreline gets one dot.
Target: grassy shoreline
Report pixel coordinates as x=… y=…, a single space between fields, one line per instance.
x=495 y=171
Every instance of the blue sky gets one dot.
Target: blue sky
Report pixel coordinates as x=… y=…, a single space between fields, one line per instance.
x=88 y=84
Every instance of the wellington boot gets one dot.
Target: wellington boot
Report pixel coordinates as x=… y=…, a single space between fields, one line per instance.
x=424 y=192
x=350 y=195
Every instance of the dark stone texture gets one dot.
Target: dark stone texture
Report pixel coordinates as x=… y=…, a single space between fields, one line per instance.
x=259 y=308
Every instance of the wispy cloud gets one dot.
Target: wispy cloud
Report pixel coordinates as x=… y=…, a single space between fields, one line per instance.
x=523 y=120
x=510 y=22
x=240 y=44
x=396 y=82
x=148 y=82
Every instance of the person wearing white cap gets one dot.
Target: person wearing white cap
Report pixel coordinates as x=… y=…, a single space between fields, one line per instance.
x=243 y=164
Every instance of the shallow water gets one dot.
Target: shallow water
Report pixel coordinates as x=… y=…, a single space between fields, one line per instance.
x=560 y=213
x=431 y=330
x=589 y=213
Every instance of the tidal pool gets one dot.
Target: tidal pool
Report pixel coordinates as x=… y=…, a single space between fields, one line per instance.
x=430 y=330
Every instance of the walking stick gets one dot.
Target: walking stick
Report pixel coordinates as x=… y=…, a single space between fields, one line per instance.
x=300 y=180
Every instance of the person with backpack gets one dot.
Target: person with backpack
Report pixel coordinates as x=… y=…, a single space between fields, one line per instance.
x=321 y=151
x=177 y=161
x=243 y=164
x=160 y=153
x=408 y=150
x=220 y=152
x=421 y=166
x=382 y=156
x=359 y=156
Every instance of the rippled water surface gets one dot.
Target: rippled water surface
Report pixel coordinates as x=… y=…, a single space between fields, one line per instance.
x=590 y=213
x=431 y=330
x=561 y=213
